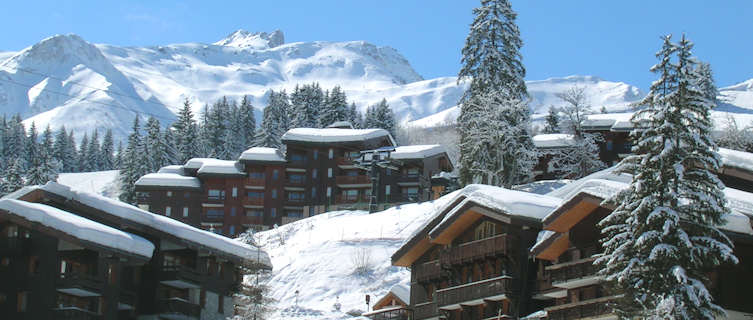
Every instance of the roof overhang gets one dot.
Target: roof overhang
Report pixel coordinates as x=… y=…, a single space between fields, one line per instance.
x=571 y=212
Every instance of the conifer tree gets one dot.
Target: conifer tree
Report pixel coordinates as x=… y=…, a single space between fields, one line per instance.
x=61 y=151
x=275 y=121
x=32 y=147
x=82 y=158
x=380 y=116
x=355 y=117
x=133 y=164
x=16 y=142
x=335 y=108
x=706 y=81
x=234 y=141
x=186 y=134
x=552 y=121
x=169 y=152
x=247 y=122
x=72 y=153
x=93 y=153
x=662 y=238
x=42 y=166
x=12 y=178
x=153 y=148
x=118 y=157
x=108 y=163
x=305 y=102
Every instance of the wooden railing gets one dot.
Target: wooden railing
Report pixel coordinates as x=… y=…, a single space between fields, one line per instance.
x=184 y=273
x=253 y=201
x=425 y=310
x=344 y=161
x=351 y=199
x=179 y=306
x=390 y=313
x=474 y=291
x=479 y=249
x=346 y=180
x=572 y=270
x=255 y=181
x=428 y=271
x=74 y=313
x=80 y=280
x=581 y=309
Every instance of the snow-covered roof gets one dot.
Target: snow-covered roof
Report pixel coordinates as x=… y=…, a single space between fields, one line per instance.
x=334 y=135
x=615 y=121
x=164 y=224
x=341 y=124
x=417 y=151
x=262 y=154
x=553 y=140
x=176 y=169
x=168 y=180
x=214 y=166
x=78 y=227
x=401 y=292
x=601 y=177
x=736 y=159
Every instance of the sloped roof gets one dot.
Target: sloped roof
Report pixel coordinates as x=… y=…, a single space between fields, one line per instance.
x=553 y=140
x=262 y=154
x=335 y=135
x=420 y=151
x=168 y=180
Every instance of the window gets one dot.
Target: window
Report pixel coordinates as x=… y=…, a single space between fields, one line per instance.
x=294 y=213
x=411 y=190
x=256 y=175
x=298 y=157
x=485 y=230
x=296 y=196
x=215 y=213
x=216 y=194
x=185 y=211
x=329 y=172
x=235 y=192
x=275 y=174
x=411 y=172
x=186 y=195
x=311 y=211
x=33 y=264
x=329 y=192
x=274 y=193
x=254 y=213
x=313 y=192
x=21 y=307
x=316 y=154
x=232 y=211
x=272 y=212
x=232 y=230
x=111 y=275
x=387 y=190
x=297 y=178
x=144 y=207
x=255 y=194
x=610 y=145
x=314 y=173
x=388 y=171
x=169 y=193
x=168 y=211
x=331 y=153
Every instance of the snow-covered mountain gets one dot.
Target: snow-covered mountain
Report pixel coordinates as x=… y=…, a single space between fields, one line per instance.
x=64 y=80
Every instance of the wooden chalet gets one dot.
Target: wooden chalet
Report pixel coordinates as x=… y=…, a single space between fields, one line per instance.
x=190 y=275
x=393 y=306
x=471 y=260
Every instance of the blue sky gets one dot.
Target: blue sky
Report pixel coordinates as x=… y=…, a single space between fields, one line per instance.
x=615 y=40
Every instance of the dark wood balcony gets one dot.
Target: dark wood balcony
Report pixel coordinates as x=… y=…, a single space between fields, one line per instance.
x=257 y=182
x=428 y=271
x=351 y=199
x=404 y=198
x=425 y=310
x=389 y=313
x=345 y=162
x=128 y=297
x=74 y=313
x=352 y=180
x=177 y=306
x=295 y=182
x=181 y=276
x=255 y=201
x=574 y=273
x=480 y=249
x=14 y=246
x=212 y=217
x=80 y=284
x=494 y=289
x=581 y=309
x=214 y=200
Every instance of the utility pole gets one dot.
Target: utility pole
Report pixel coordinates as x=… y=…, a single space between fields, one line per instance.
x=373 y=161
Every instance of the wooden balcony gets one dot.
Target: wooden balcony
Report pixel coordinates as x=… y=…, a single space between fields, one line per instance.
x=389 y=313
x=581 y=309
x=74 y=313
x=14 y=246
x=214 y=200
x=495 y=289
x=177 y=306
x=428 y=271
x=80 y=284
x=573 y=274
x=425 y=310
x=479 y=249
x=404 y=198
x=351 y=199
x=252 y=201
x=295 y=182
x=359 y=180
x=181 y=277
x=256 y=182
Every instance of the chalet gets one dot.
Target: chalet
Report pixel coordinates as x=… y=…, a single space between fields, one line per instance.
x=264 y=188
x=567 y=279
x=548 y=145
x=470 y=261
x=393 y=306
x=189 y=274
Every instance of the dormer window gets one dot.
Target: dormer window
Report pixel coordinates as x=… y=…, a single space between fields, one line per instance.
x=485 y=230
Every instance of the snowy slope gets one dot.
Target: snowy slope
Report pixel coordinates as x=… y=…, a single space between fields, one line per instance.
x=104 y=183
x=315 y=258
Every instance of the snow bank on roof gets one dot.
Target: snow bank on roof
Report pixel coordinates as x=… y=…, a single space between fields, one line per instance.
x=401 y=292
x=262 y=154
x=554 y=140
x=417 y=151
x=542 y=237
x=214 y=166
x=331 y=135
x=613 y=120
x=737 y=159
x=572 y=188
x=341 y=124
x=164 y=224
x=176 y=169
x=168 y=180
x=79 y=227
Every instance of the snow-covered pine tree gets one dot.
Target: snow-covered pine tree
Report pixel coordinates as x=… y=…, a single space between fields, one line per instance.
x=118 y=157
x=108 y=147
x=47 y=146
x=3 y=157
x=492 y=63
x=61 y=151
x=42 y=167
x=355 y=117
x=93 y=154
x=736 y=138
x=72 y=153
x=582 y=158
x=497 y=141
x=214 y=128
x=706 y=81
x=169 y=152
x=552 y=121
x=385 y=118
x=275 y=121
x=12 y=178
x=82 y=160
x=335 y=107
x=153 y=145
x=247 y=122
x=234 y=140
x=186 y=134
x=133 y=164
x=15 y=145
x=662 y=238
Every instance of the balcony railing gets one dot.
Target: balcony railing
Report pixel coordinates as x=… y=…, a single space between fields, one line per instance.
x=80 y=280
x=474 y=291
x=181 y=273
x=479 y=249
x=74 y=313
x=425 y=310
x=559 y=273
x=428 y=271
x=389 y=313
x=351 y=199
x=14 y=246
x=353 y=180
x=255 y=181
x=404 y=197
x=128 y=297
x=296 y=181
x=581 y=309
x=255 y=201
x=212 y=217
x=217 y=199
x=179 y=306
x=344 y=162
x=295 y=200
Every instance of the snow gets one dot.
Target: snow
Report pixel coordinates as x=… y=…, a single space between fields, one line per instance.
x=168 y=180
x=401 y=292
x=572 y=188
x=554 y=140
x=257 y=40
x=213 y=166
x=334 y=135
x=79 y=227
x=100 y=182
x=616 y=121
x=341 y=124
x=417 y=151
x=176 y=169
x=262 y=154
x=542 y=186
x=737 y=159
x=161 y=223
x=314 y=256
